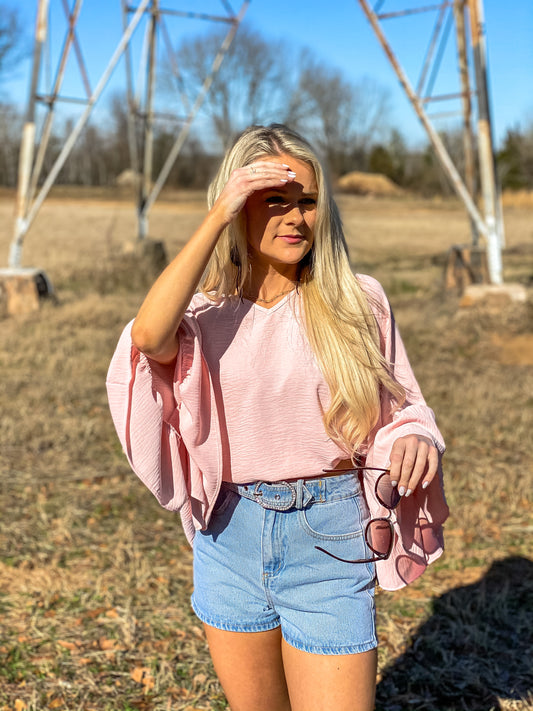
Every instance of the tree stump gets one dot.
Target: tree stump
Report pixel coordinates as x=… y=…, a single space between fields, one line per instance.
x=21 y=291
x=465 y=265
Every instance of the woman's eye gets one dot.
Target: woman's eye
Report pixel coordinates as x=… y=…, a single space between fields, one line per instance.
x=283 y=202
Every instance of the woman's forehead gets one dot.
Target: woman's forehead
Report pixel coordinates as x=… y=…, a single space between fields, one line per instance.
x=305 y=172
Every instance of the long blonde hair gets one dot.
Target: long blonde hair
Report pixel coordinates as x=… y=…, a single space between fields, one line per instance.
x=338 y=319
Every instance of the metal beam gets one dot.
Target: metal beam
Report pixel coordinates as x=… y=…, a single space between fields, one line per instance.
x=412 y=11
x=132 y=105
x=27 y=146
x=489 y=185
x=189 y=15
x=148 y=121
x=459 y=9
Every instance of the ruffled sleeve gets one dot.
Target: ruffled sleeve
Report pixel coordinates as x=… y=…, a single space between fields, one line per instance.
x=418 y=520
x=166 y=422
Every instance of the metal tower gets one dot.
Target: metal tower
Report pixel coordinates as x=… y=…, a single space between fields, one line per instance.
x=466 y=16
x=142 y=113
x=471 y=49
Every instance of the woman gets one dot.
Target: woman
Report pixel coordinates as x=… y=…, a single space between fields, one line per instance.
x=259 y=384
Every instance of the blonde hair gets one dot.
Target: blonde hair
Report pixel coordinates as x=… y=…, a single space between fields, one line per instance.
x=338 y=319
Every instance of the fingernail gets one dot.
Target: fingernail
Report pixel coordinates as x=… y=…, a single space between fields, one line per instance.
x=408 y=493
x=283 y=180
x=284 y=165
x=291 y=173
x=394 y=483
x=425 y=485
x=402 y=490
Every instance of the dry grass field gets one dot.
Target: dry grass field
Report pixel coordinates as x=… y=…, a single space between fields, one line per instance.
x=95 y=578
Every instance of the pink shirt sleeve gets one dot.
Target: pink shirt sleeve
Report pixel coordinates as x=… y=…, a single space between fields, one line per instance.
x=146 y=418
x=419 y=518
x=166 y=420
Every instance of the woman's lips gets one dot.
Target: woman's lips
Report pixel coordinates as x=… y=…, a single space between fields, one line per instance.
x=291 y=239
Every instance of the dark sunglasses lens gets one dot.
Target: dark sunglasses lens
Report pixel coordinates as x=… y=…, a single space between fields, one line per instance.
x=379 y=536
x=387 y=494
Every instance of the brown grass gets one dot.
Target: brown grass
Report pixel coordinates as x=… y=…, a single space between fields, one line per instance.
x=95 y=578
x=518 y=198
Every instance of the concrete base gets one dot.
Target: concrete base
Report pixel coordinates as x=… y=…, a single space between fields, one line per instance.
x=21 y=290
x=493 y=295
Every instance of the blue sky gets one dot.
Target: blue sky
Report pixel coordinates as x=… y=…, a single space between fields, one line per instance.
x=339 y=33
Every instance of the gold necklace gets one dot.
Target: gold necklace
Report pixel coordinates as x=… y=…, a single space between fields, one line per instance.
x=269 y=301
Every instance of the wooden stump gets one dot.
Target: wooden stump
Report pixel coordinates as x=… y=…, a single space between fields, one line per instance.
x=466 y=264
x=21 y=291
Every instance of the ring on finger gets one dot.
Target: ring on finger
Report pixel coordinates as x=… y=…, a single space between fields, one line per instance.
x=252 y=170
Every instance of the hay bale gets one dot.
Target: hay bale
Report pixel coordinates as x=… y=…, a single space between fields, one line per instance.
x=129 y=179
x=358 y=183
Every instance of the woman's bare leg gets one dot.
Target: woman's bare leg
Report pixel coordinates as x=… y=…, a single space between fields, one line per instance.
x=319 y=682
x=250 y=668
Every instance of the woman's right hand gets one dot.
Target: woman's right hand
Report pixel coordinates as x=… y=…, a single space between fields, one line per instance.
x=155 y=331
x=260 y=175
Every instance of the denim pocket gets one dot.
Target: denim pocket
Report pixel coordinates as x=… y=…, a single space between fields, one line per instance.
x=334 y=520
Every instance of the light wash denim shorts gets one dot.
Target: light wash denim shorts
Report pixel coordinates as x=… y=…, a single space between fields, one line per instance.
x=256 y=566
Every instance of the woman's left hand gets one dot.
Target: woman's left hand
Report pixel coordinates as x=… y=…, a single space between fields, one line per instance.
x=414 y=460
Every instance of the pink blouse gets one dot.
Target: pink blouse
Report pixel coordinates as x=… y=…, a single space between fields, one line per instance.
x=180 y=432
x=270 y=393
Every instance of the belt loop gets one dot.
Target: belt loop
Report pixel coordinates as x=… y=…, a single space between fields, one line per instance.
x=298 y=504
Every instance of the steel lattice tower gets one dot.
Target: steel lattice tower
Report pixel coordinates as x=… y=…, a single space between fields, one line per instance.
x=463 y=16
x=471 y=50
x=141 y=113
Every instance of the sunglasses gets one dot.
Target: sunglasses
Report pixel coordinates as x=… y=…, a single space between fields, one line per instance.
x=379 y=532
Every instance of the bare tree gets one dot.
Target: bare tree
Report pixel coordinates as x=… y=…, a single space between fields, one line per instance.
x=515 y=158
x=343 y=117
x=10 y=129
x=251 y=86
x=10 y=120
x=119 y=157
x=10 y=38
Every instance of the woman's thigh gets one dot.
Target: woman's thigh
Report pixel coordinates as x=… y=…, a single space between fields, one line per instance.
x=249 y=666
x=320 y=682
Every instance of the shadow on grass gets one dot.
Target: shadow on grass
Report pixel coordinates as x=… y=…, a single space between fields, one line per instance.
x=474 y=652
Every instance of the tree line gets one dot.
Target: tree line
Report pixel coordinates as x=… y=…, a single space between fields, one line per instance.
x=259 y=82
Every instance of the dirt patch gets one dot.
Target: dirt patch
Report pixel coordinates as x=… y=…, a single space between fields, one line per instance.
x=514 y=350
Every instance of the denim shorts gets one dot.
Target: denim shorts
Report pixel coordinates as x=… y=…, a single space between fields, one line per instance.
x=256 y=566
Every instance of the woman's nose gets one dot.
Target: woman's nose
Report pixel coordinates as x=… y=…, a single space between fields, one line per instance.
x=294 y=214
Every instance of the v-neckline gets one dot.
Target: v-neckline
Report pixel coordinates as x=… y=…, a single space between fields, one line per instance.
x=267 y=309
